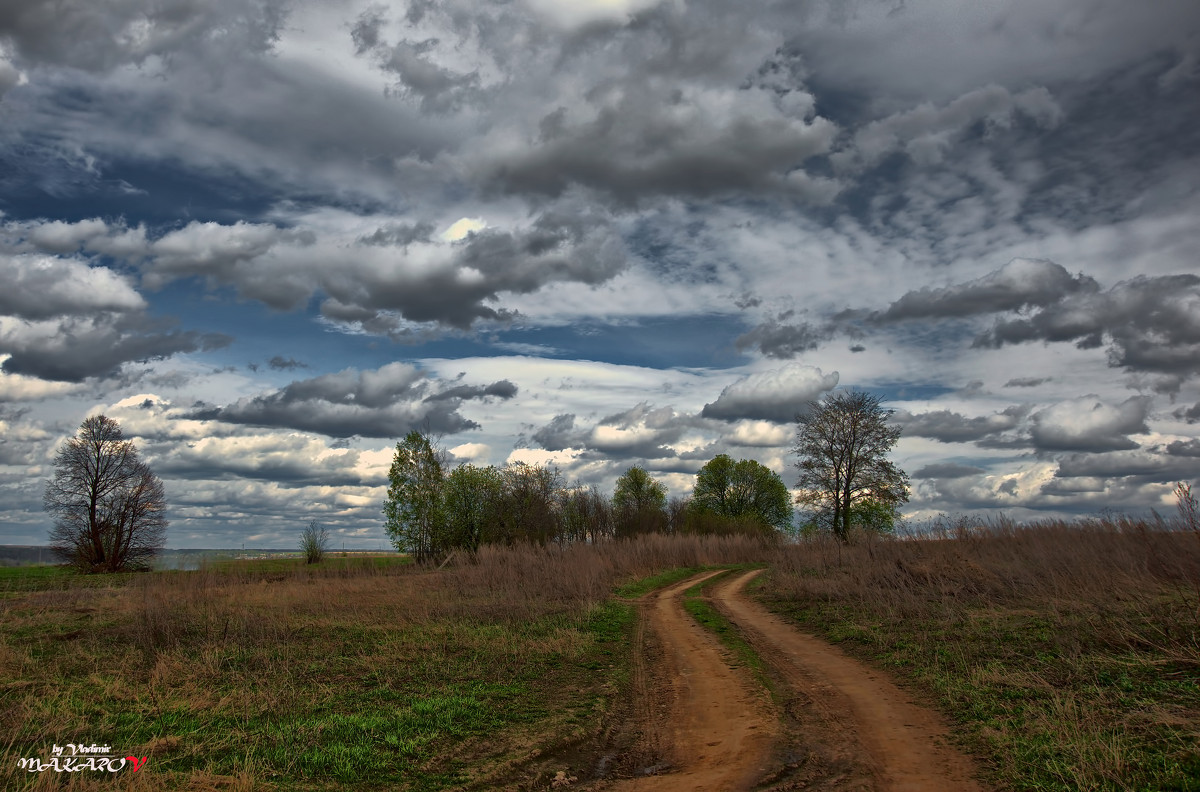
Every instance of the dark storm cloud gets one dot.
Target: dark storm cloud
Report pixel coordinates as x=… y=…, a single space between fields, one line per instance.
x=1115 y=464
x=948 y=470
x=1184 y=448
x=950 y=427
x=1021 y=283
x=777 y=395
x=1189 y=414
x=688 y=108
x=392 y=270
x=76 y=348
x=470 y=276
x=288 y=466
x=1149 y=324
x=559 y=434
x=1026 y=382
x=280 y=363
x=99 y=35
x=501 y=389
x=399 y=234
x=385 y=402
x=642 y=144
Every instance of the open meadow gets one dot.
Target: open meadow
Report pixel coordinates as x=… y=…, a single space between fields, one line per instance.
x=1064 y=656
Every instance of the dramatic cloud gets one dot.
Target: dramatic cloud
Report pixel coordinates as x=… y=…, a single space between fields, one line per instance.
x=41 y=287
x=629 y=208
x=778 y=395
x=76 y=348
x=776 y=339
x=559 y=434
x=1026 y=382
x=102 y=34
x=948 y=470
x=1089 y=424
x=926 y=132
x=1188 y=414
x=653 y=138
x=1184 y=448
x=951 y=427
x=386 y=402
x=1021 y=283
x=1150 y=324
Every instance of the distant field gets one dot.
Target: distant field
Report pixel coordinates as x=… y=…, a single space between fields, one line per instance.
x=46 y=577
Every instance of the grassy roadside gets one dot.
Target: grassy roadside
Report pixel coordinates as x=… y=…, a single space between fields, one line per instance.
x=1068 y=658
x=382 y=676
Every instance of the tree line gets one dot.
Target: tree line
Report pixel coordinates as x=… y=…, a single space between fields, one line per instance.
x=845 y=482
x=432 y=509
x=110 y=509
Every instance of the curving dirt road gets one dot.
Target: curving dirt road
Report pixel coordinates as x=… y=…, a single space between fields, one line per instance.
x=703 y=725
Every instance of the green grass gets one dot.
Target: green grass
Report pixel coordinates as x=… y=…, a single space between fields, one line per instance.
x=642 y=586
x=20 y=579
x=703 y=611
x=308 y=695
x=1033 y=686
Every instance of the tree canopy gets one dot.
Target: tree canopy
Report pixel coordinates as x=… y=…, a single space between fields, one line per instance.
x=742 y=489
x=109 y=508
x=413 y=509
x=842 y=443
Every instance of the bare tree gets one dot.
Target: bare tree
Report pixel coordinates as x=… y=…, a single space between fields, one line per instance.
x=109 y=508
x=843 y=444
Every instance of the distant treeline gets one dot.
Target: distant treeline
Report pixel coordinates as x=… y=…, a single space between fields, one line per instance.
x=432 y=509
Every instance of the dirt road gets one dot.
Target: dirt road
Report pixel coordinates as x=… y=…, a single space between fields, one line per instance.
x=706 y=726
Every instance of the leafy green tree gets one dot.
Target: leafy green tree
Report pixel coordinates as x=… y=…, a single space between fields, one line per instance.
x=471 y=501
x=414 y=512
x=740 y=490
x=639 y=503
x=873 y=514
x=843 y=444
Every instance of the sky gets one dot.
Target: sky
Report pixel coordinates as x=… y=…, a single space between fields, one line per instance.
x=270 y=237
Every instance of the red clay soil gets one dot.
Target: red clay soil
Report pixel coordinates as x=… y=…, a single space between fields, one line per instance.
x=704 y=725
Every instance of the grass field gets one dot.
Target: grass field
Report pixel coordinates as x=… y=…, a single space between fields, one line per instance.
x=340 y=675
x=1067 y=654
